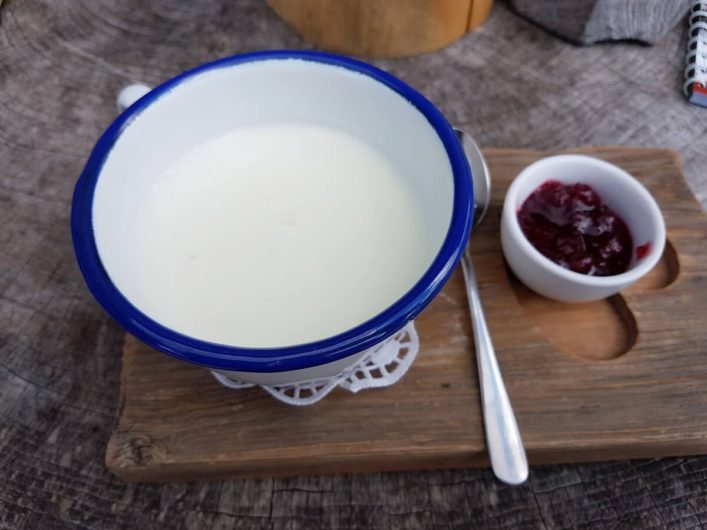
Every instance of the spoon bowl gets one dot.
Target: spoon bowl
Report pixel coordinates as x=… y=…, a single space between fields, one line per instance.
x=480 y=175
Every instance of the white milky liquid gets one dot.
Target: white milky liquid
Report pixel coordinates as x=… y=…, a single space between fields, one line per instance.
x=276 y=235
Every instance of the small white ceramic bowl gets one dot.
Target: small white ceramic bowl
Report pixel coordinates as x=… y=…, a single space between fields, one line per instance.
x=618 y=190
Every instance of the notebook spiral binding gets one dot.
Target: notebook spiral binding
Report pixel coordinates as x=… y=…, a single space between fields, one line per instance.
x=696 y=59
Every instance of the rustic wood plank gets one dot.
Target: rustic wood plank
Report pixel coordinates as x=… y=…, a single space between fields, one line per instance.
x=176 y=423
x=508 y=84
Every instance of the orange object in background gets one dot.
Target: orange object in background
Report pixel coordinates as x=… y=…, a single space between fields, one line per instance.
x=375 y=28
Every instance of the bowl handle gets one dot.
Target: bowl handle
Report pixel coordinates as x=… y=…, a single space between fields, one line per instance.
x=130 y=94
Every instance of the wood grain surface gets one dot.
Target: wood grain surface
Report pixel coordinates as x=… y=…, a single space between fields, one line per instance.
x=508 y=83
x=575 y=373
x=394 y=28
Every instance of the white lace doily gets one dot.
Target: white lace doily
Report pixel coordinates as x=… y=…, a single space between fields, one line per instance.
x=383 y=365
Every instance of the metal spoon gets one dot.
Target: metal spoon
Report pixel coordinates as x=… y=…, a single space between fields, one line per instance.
x=505 y=445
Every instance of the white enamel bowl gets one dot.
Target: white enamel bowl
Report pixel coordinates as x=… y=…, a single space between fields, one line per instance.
x=262 y=88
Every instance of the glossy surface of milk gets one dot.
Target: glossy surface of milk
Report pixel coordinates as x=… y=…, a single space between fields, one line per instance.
x=276 y=235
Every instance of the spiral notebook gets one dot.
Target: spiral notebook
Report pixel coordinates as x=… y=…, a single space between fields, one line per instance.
x=695 y=87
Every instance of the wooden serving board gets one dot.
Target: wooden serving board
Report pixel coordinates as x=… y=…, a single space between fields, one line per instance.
x=615 y=379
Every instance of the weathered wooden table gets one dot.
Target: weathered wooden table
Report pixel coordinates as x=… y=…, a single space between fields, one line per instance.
x=509 y=84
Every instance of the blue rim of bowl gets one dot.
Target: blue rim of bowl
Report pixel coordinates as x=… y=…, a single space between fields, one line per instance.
x=281 y=359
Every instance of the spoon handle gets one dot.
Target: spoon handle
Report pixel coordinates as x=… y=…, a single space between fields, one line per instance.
x=505 y=446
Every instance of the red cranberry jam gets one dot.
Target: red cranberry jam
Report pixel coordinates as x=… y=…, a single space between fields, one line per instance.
x=573 y=227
